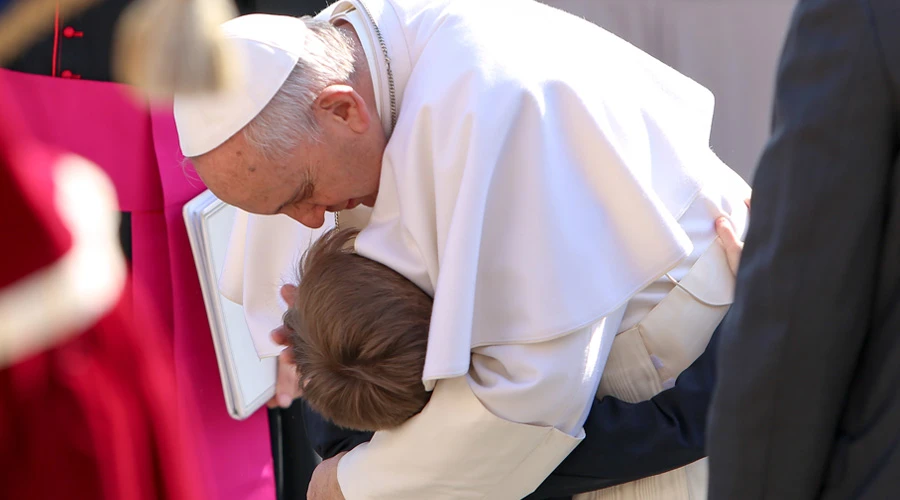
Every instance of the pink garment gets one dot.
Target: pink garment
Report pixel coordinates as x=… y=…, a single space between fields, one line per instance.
x=139 y=150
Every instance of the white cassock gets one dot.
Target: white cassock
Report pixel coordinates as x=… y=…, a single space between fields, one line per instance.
x=548 y=200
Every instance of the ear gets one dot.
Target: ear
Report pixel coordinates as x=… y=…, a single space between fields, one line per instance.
x=344 y=106
x=289 y=294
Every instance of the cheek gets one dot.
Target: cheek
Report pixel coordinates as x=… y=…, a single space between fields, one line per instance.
x=362 y=175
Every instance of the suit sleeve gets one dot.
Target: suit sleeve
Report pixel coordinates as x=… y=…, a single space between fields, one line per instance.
x=805 y=286
x=629 y=441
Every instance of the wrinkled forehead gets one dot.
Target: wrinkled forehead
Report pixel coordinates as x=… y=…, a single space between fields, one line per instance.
x=239 y=176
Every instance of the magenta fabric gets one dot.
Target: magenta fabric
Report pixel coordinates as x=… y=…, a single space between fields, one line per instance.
x=97 y=120
x=251 y=480
x=139 y=150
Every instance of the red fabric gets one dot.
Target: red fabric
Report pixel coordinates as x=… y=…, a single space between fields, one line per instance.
x=139 y=150
x=238 y=454
x=26 y=201
x=94 y=418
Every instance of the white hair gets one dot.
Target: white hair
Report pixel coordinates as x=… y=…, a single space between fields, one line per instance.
x=288 y=117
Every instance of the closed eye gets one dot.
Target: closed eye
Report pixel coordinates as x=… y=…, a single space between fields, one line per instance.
x=302 y=194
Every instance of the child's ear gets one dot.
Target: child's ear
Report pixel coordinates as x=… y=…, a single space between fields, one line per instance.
x=289 y=294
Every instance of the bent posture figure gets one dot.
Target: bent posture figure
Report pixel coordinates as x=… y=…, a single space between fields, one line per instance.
x=560 y=211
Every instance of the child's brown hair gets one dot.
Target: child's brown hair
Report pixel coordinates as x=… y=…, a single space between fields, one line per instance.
x=359 y=332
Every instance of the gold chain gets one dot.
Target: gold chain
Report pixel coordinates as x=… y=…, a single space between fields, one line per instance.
x=387 y=60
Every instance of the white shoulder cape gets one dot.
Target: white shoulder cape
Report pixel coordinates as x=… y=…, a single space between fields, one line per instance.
x=534 y=181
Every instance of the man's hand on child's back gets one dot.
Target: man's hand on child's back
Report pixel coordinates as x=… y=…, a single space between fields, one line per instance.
x=730 y=241
x=287 y=385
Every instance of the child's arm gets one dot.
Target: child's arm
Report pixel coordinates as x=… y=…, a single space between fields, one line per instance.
x=496 y=432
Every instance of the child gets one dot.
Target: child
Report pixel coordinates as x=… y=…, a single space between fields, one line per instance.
x=359 y=332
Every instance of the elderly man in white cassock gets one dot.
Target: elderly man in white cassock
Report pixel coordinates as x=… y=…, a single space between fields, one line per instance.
x=559 y=207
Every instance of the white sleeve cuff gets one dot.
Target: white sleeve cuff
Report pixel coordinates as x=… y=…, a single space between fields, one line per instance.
x=454 y=449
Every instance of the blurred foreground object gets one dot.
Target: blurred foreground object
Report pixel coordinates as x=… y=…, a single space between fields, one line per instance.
x=806 y=404
x=168 y=46
x=23 y=21
x=63 y=81
x=70 y=103
x=87 y=392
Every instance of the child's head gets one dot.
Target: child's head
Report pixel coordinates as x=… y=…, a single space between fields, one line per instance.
x=359 y=332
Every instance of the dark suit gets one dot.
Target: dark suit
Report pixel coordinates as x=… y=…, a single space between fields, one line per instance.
x=623 y=441
x=808 y=403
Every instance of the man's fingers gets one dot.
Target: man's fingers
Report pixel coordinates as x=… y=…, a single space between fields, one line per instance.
x=276 y=400
x=287 y=388
x=725 y=231
x=730 y=242
x=287 y=382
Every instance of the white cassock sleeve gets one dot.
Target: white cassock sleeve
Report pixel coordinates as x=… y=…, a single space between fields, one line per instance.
x=495 y=433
